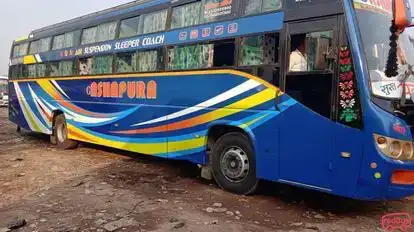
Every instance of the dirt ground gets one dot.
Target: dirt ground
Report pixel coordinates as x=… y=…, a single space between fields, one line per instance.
x=94 y=188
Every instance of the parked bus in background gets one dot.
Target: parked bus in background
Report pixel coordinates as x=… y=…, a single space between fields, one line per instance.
x=307 y=93
x=4 y=93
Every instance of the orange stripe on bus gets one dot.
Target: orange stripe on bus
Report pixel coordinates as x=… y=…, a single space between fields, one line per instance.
x=231 y=109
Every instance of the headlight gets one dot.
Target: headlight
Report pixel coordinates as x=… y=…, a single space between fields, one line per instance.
x=395 y=148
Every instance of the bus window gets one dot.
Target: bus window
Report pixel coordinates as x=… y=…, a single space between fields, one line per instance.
x=126 y=62
x=190 y=57
x=154 y=22
x=66 y=40
x=85 y=66
x=72 y=39
x=53 y=69
x=16 y=51
x=58 y=42
x=258 y=6
x=186 y=15
x=149 y=61
x=102 y=64
x=66 y=68
x=41 y=70
x=15 y=71
x=34 y=47
x=20 y=50
x=106 y=32
x=31 y=70
x=44 y=45
x=310 y=75
x=89 y=35
x=129 y=27
x=216 y=10
x=309 y=52
x=223 y=53
x=258 y=50
x=297 y=58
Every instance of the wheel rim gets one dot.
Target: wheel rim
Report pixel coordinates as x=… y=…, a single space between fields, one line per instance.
x=61 y=133
x=234 y=164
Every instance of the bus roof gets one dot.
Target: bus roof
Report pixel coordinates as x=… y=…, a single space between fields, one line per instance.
x=99 y=16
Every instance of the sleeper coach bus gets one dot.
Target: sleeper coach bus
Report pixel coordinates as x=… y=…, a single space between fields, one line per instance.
x=314 y=94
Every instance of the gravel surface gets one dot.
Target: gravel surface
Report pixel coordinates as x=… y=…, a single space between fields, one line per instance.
x=98 y=189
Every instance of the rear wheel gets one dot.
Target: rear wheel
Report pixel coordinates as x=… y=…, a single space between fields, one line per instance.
x=60 y=134
x=234 y=164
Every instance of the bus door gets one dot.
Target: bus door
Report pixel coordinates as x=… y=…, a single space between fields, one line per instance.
x=307 y=131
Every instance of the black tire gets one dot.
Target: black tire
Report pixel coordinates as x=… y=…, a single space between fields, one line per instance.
x=240 y=145
x=60 y=134
x=53 y=139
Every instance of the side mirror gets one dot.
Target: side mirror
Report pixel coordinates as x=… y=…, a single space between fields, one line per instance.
x=402 y=14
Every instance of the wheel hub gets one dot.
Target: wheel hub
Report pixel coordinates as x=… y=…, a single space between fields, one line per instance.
x=235 y=164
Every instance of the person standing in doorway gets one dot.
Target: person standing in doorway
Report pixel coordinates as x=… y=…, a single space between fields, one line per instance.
x=298 y=59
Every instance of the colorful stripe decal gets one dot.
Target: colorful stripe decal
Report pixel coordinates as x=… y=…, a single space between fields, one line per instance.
x=246 y=86
x=231 y=109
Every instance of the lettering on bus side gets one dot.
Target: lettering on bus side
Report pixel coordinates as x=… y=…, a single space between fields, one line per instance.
x=130 y=89
x=98 y=48
x=144 y=42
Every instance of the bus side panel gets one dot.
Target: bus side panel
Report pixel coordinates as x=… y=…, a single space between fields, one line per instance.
x=24 y=110
x=306 y=146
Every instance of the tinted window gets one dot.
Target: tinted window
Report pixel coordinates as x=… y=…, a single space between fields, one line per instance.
x=41 y=70
x=66 y=68
x=72 y=39
x=154 y=22
x=58 y=42
x=308 y=51
x=53 y=69
x=20 y=50
x=258 y=6
x=190 y=57
x=106 y=32
x=89 y=35
x=214 y=10
x=34 y=47
x=126 y=62
x=31 y=69
x=85 y=66
x=258 y=50
x=129 y=27
x=149 y=61
x=102 y=64
x=16 y=51
x=45 y=44
x=187 y=15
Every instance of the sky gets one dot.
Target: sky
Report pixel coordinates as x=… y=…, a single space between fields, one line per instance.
x=19 y=17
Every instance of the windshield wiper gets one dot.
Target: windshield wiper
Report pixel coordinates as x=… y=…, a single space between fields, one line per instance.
x=408 y=72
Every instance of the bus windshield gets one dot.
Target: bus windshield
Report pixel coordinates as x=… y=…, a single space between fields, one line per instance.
x=374 y=24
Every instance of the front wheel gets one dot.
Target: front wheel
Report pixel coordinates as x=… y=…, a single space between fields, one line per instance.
x=60 y=134
x=234 y=164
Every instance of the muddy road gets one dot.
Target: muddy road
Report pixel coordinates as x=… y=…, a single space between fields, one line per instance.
x=97 y=189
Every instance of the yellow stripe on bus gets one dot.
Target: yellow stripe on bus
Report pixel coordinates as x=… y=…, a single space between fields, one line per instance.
x=23 y=38
x=30 y=59
x=143 y=148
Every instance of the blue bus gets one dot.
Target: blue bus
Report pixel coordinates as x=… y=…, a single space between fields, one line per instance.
x=315 y=94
